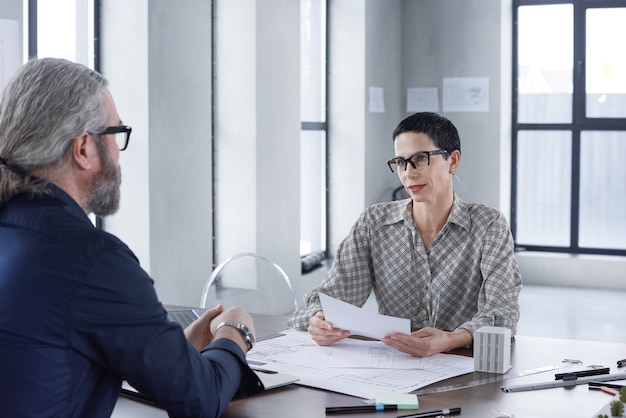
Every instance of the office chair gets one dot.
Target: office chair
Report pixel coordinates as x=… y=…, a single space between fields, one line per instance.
x=253 y=282
x=399 y=193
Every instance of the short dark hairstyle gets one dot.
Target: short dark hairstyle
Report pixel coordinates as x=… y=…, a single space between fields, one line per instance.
x=438 y=128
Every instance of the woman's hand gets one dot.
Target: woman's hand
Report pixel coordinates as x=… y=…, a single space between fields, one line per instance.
x=323 y=332
x=428 y=341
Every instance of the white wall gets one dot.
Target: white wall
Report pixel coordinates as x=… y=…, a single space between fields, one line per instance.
x=257 y=130
x=364 y=51
x=124 y=62
x=383 y=68
x=14 y=10
x=160 y=77
x=460 y=38
x=346 y=120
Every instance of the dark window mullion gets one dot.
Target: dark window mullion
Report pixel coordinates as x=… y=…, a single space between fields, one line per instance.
x=314 y=126
x=514 y=131
x=578 y=112
x=575 y=197
x=32 y=29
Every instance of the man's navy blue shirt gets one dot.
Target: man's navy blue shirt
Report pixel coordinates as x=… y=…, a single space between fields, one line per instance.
x=77 y=313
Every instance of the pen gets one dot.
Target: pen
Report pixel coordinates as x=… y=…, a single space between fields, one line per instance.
x=360 y=408
x=136 y=396
x=264 y=371
x=449 y=411
x=621 y=363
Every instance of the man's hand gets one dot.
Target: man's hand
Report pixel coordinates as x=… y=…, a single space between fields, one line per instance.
x=428 y=341
x=238 y=315
x=199 y=332
x=323 y=332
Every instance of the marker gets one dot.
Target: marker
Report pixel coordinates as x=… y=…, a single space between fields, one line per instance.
x=582 y=373
x=610 y=391
x=360 y=408
x=449 y=411
x=621 y=363
x=605 y=389
x=595 y=385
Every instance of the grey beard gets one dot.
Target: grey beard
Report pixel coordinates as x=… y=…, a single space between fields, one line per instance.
x=104 y=196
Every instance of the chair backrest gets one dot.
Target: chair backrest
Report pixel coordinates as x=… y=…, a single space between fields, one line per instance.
x=253 y=282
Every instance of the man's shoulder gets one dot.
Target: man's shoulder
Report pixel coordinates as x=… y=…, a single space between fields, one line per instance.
x=52 y=219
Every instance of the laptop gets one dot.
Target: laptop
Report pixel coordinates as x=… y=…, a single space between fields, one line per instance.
x=184 y=317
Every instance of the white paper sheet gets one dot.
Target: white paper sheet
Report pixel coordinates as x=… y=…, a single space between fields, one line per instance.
x=361 y=321
x=354 y=367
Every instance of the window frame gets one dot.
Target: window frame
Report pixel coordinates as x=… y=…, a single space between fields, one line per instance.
x=580 y=122
x=322 y=127
x=33 y=50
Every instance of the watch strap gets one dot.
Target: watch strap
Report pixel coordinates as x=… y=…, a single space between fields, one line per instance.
x=243 y=330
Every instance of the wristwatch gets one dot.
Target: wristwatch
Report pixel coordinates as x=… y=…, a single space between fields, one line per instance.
x=243 y=330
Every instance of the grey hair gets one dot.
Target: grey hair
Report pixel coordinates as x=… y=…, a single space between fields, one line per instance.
x=47 y=103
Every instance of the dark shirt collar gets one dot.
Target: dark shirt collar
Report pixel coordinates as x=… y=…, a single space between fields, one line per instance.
x=57 y=195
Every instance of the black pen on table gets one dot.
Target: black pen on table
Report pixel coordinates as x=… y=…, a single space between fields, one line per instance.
x=264 y=370
x=621 y=363
x=360 y=408
x=448 y=411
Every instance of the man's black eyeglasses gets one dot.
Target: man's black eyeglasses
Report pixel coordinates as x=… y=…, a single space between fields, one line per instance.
x=122 y=135
x=418 y=160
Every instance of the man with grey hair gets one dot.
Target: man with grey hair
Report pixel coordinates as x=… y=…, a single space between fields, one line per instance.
x=77 y=312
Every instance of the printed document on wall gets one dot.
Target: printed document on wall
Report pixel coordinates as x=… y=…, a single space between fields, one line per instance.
x=377 y=100
x=466 y=94
x=422 y=99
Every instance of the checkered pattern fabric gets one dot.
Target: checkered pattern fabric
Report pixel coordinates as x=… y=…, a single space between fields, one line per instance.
x=468 y=277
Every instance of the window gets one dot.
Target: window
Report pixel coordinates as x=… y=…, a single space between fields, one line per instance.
x=63 y=29
x=313 y=136
x=569 y=126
